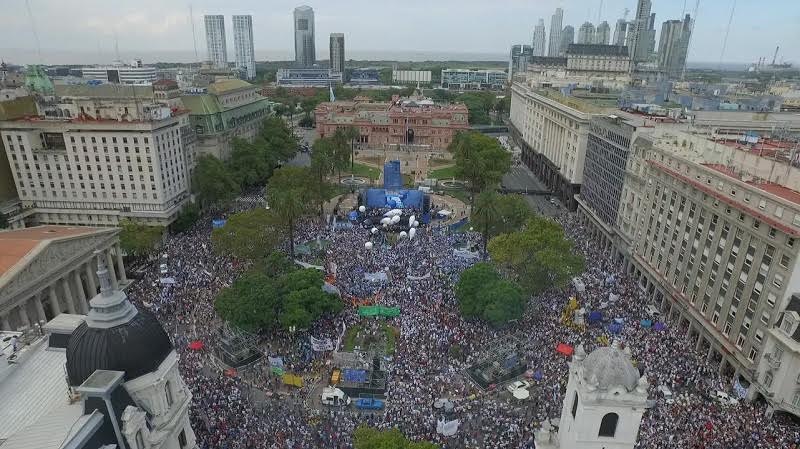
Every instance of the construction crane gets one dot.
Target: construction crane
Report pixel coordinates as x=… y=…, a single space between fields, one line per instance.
x=775 y=56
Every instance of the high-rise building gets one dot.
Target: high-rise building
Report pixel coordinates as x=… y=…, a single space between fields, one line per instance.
x=337 y=52
x=638 y=31
x=672 y=47
x=518 y=60
x=243 y=45
x=304 y=49
x=215 y=40
x=602 y=34
x=620 y=32
x=567 y=38
x=539 y=37
x=555 y=48
x=650 y=36
x=586 y=33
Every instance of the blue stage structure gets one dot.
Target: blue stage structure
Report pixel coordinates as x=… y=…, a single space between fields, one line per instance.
x=392 y=179
x=393 y=196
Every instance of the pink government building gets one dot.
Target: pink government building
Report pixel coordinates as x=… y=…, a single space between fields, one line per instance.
x=405 y=121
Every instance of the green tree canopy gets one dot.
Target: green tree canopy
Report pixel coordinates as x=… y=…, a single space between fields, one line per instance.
x=483 y=293
x=323 y=163
x=370 y=438
x=480 y=160
x=496 y=214
x=213 y=182
x=249 y=164
x=290 y=195
x=187 y=218
x=137 y=239
x=278 y=142
x=265 y=300
x=537 y=257
x=250 y=235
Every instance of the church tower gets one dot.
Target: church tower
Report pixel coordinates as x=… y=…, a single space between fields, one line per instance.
x=603 y=404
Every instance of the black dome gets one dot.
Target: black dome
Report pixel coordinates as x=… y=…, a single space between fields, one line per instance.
x=137 y=347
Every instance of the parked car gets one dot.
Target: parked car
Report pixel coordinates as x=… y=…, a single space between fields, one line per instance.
x=369 y=404
x=516 y=385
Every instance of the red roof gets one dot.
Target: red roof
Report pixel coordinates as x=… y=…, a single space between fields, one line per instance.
x=16 y=244
x=775 y=189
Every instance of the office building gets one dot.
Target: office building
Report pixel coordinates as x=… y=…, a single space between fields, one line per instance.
x=650 y=36
x=518 y=60
x=305 y=52
x=620 y=33
x=567 y=39
x=308 y=77
x=97 y=154
x=639 y=31
x=365 y=76
x=403 y=121
x=337 y=52
x=422 y=77
x=586 y=34
x=215 y=40
x=602 y=35
x=597 y=59
x=227 y=109
x=243 y=45
x=108 y=378
x=555 y=48
x=462 y=79
x=709 y=229
x=539 y=38
x=674 y=45
x=132 y=73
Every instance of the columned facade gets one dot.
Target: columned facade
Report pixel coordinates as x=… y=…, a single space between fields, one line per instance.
x=59 y=277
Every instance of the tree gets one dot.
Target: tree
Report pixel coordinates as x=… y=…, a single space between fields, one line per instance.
x=290 y=197
x=249 y=164
x=186 y=218
x=213 y=182
x=137 y=239
x=495 y=214
x=277 y=140
x=251 y=303
x=538 y=256
x=323 y=162
x=480 y=160
x=250 y=235
x=346 y=139
x=370 y=438
x=483 y=293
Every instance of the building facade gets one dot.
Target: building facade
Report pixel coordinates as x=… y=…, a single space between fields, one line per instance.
x=602 y=35
x=474 y=79
x=674 y=46
x=601 y=60
x=556 y=47
x=225 y=110
x=586 y=34
x=620 y=33
x=539 y=42
x=337 y=52
x=308 y=77
x=215 y=40
x=243 y=45
x=778 y=368
x=52 y=271
x=710 y=232
x=411 y=76
x=567 y=39
x=305 y=52
x=405 y=121
x=638 y=31
x=98 y=154
x=133 y=73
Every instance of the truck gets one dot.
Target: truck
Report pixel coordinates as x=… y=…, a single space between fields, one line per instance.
x=369 y=404
x=335 y=397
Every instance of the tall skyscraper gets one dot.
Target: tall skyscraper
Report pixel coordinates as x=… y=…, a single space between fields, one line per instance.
x=586 y=33
x=243 y=45
x=638 y=32
x=304 y=50
x=673 y=46
x=650 y=36
x=567 y=38
x=555 y=48
x=602 y=35
x=337 y=52
x=539 y=37
x=620 y=32
x=215 y=40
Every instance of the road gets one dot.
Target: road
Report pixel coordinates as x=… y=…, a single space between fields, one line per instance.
x=519 y=177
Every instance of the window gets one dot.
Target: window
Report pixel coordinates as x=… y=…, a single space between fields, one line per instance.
x=608 y=426
x=768 y=380
x=787 y=324
x=777 y=281
x=168 y=392
x=575 y=404
x=765 y=317
x=139 y=440
x=182 y=439
x=796 y=400
x=752 y=355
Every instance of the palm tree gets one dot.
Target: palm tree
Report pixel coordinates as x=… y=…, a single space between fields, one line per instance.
x=289 y=197
x=485 y=214
x=351 y=134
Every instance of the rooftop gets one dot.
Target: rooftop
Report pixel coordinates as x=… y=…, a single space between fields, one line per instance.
x=104 y=91
x=16 y=245
x=597 y=50
x=769 y=187
x=585 y=105
x=227 y=86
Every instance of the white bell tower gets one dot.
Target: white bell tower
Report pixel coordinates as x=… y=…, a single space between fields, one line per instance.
x=603 y=404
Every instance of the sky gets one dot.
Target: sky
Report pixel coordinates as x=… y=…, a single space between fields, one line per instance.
x=85 y=31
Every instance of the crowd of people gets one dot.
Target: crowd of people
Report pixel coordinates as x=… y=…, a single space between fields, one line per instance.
x=252 y=409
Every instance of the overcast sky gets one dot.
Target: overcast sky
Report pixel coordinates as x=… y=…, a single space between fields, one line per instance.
x=83 y=31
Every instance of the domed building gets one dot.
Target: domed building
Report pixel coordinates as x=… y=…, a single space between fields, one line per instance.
x=603 y=406
x=123 y=365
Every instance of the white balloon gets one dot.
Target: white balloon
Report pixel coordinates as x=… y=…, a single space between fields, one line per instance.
x=403 y=234
x=362 y=209
x=396 y=219
x=416 y=224
x=470 y=228
x=368 y=245
x=411 y=219
x=374 y=230
x=411 y=233
x=385 y=225
x=385 y=220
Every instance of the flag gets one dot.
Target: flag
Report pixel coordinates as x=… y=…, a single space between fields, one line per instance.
x=333 y=97
x=322 y=344
x=275 y=362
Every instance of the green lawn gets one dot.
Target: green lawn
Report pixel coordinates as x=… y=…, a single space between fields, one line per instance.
x=391 y=338
x=443 y=173
x=408 y=181
x=364 y=171
x=350 y=337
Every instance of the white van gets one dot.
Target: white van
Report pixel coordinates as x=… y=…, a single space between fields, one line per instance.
x=335 y=397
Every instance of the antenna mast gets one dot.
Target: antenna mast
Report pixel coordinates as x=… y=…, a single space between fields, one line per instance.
x=35 y=33
x=194 y=35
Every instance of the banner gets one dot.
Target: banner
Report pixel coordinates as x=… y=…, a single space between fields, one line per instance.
x=418 y=278
x=321 y=344
x=293 y=379
x=447 y=428
x=275 y=362
x=739 y=389
x=278 y=371
x=378 y=311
